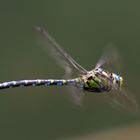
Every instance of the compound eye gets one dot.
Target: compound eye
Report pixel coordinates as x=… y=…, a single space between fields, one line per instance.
x=117 y=78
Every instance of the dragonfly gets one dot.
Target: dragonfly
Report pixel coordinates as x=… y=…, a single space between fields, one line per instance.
x=78 y=80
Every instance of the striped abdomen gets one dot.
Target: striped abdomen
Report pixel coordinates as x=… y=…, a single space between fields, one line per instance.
x=38 y=82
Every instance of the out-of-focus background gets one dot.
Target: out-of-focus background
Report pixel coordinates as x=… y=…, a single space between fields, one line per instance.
x=84 y=29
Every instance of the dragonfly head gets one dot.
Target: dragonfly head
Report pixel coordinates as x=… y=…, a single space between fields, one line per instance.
x=118 y=80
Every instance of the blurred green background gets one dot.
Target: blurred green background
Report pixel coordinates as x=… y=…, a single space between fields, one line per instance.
x=83 y=28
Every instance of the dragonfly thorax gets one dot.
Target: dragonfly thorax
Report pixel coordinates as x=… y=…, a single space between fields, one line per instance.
x=97 y=81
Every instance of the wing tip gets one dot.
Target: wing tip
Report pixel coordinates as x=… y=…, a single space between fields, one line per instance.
x=38 y=28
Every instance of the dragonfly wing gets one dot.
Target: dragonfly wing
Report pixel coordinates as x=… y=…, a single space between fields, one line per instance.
x=61 y=56
x=72 y=68
x=75 y=94
x=125 y=100
x=103 y=60
x=110 y=59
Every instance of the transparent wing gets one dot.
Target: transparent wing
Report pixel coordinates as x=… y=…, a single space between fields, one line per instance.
x=112 y=62
x=76 y=94
x=72 y=68
x=65 y=60
x=110 y=59
x=125 y=100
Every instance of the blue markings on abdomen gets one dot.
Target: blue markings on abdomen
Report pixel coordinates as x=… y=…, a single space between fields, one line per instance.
x=47 y=83
x=60 y=83
x=71 y=82
x=37 y=82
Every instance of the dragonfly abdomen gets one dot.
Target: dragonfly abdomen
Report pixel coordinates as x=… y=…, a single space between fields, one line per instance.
x=38 y=82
